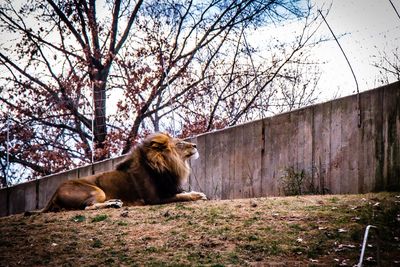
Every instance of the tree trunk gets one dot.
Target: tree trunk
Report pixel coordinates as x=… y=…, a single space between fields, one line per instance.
x=100 y=128
x=100 y=123
x=3 y=181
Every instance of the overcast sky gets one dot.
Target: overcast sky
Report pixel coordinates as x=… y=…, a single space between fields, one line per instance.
x=370 y=27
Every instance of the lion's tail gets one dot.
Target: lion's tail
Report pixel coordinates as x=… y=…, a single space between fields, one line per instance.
x=49 y=207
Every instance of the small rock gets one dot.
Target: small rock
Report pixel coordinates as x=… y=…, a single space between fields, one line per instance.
x=253 y=204
x=370 y=259
x=345 y=246
x=124 y=213
x=167 y=214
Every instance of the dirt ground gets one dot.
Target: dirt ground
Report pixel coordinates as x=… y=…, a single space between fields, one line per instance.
x=275 y=231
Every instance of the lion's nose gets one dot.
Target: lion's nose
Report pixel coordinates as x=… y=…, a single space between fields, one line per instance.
x=194 y=145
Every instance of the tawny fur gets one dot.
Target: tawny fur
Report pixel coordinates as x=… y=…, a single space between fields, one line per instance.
x=152 y=173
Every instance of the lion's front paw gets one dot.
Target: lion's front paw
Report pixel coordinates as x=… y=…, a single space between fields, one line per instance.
x=114 y=203
x=198 y=195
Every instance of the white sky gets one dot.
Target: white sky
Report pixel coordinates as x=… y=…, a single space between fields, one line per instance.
x=366 y=27
x=371 y=26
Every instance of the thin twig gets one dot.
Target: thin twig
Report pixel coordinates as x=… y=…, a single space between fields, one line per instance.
x=395 y=10
x=348 y=62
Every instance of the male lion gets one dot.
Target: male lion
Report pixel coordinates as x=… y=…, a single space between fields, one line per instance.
x=152 y=174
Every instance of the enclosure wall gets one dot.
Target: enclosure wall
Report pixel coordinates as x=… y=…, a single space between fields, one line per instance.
x=348 y=145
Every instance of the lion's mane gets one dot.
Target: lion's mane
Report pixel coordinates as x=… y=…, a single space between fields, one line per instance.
x=158 y=160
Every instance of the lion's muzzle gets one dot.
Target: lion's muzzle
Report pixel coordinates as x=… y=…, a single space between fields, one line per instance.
x=195 y=155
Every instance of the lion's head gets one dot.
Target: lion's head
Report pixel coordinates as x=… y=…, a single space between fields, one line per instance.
x=164 y=156
x=167 y=154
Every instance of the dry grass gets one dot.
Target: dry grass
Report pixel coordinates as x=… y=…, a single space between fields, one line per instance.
x=284 y=231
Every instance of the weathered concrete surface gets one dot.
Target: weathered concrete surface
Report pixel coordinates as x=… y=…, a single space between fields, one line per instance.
x=325 y=141
x=23 y=197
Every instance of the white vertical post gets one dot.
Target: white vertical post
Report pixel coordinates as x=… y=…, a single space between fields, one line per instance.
x=364 y=245
x=172 y=111
x=169 y=92
x=93 y=118
x=8 y=149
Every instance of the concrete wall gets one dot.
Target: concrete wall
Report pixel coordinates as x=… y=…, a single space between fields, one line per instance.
x=249 y=160
x=324 y=140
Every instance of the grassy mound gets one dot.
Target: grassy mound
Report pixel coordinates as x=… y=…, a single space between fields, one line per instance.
x=274 y=231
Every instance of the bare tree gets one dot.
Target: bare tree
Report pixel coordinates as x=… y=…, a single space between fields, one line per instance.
x=81 y=53
x=66 y=61
x=388 y=65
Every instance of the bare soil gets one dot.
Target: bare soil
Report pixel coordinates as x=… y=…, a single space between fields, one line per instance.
x=275 y=231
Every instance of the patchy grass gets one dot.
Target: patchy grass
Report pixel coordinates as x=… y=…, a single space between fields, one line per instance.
x=78 y=218
x=99 y=218
x=278 y=231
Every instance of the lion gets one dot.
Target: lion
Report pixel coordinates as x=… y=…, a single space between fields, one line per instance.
x=153 y=173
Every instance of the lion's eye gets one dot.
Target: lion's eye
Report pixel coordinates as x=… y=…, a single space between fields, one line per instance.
x=180 y=144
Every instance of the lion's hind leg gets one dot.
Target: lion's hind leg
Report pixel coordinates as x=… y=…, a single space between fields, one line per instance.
x=78 y=194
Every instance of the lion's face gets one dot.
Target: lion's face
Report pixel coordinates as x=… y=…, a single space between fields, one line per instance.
x=186 y=150
x=162 y=143
x=165 y=154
